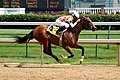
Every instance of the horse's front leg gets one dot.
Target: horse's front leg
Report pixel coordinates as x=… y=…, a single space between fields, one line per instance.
x=67 y=48
x=82 y=48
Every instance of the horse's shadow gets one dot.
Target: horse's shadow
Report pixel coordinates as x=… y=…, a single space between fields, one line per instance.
x=28 y=65
x=18 y=57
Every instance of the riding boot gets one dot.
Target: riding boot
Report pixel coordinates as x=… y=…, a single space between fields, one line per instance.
x=59 y=31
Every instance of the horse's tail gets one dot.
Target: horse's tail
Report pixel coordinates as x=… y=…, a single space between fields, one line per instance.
x=25 y=39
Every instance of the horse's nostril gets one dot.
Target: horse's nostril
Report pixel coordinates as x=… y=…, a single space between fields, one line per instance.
x=94 y=28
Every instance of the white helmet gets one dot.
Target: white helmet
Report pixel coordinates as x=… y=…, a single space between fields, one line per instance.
x=76 y=14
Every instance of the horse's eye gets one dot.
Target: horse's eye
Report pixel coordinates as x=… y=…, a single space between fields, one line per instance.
x=87 y=21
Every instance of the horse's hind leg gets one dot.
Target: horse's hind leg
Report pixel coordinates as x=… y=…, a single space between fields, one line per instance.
x=47 y=50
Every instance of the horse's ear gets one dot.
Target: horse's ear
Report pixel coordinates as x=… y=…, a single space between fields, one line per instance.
x=83 y=17
x=87 y=16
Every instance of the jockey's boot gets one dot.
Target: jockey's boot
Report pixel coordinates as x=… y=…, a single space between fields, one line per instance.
x=59 y=31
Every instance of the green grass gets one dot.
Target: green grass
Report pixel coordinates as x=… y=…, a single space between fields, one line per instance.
x=16 y=52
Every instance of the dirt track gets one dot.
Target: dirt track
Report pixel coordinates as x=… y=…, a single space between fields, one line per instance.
x=59 y=72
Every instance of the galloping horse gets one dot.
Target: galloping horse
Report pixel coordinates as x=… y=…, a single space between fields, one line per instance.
x=69 y=38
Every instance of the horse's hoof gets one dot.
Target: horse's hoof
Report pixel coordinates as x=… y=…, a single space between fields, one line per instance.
x=19 y=66
x=61 y=63
x=63 y=56
x=80 y=62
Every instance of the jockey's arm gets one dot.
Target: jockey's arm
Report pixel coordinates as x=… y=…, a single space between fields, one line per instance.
x=73 y=24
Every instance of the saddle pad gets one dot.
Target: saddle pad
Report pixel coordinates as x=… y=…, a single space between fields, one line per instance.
x=52 y=29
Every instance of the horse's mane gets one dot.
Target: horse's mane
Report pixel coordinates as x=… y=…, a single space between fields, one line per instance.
x=83 y=17
x=77 y=24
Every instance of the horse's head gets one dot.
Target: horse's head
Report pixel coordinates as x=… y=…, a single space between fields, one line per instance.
x=87 y=23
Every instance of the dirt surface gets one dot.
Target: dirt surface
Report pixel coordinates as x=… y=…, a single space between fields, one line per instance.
x=58 y=72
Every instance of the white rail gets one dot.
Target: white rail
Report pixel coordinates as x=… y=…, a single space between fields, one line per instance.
x=26 y=23
x=99 y=41
x=108 y=10
x=48 y=23
x=80 y=41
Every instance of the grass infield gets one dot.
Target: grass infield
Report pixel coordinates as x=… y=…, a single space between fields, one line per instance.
x=16 y=52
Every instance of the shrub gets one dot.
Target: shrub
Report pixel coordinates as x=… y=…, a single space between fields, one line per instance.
x=51 y=18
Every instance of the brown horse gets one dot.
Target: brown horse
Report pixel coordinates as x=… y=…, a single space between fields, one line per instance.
x=69 y=38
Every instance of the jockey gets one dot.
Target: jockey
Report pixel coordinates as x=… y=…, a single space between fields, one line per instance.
x=67 y=21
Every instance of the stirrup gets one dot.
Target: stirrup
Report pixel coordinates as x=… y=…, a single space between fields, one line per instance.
x=59 y=32
x=51 y=27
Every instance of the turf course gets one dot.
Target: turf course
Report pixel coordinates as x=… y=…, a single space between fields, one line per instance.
x=16 y=52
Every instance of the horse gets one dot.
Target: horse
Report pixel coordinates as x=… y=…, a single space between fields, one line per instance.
x=69 y=38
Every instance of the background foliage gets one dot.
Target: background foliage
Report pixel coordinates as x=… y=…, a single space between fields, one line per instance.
x=51 y=18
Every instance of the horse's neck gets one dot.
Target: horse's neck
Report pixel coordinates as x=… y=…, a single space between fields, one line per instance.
x=77 y=29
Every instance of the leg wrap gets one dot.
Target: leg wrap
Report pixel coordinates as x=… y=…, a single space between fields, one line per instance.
x=82 y=57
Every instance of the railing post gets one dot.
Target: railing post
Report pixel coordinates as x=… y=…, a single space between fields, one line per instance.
x=26 y=50
x=96 y=47
x=42 y=61
x=109 y=35
x=118 y=54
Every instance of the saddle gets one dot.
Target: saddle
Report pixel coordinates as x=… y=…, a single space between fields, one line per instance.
x=52 y=30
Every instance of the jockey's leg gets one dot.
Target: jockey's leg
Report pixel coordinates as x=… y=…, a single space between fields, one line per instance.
x=59 y=31
x=63 y=27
